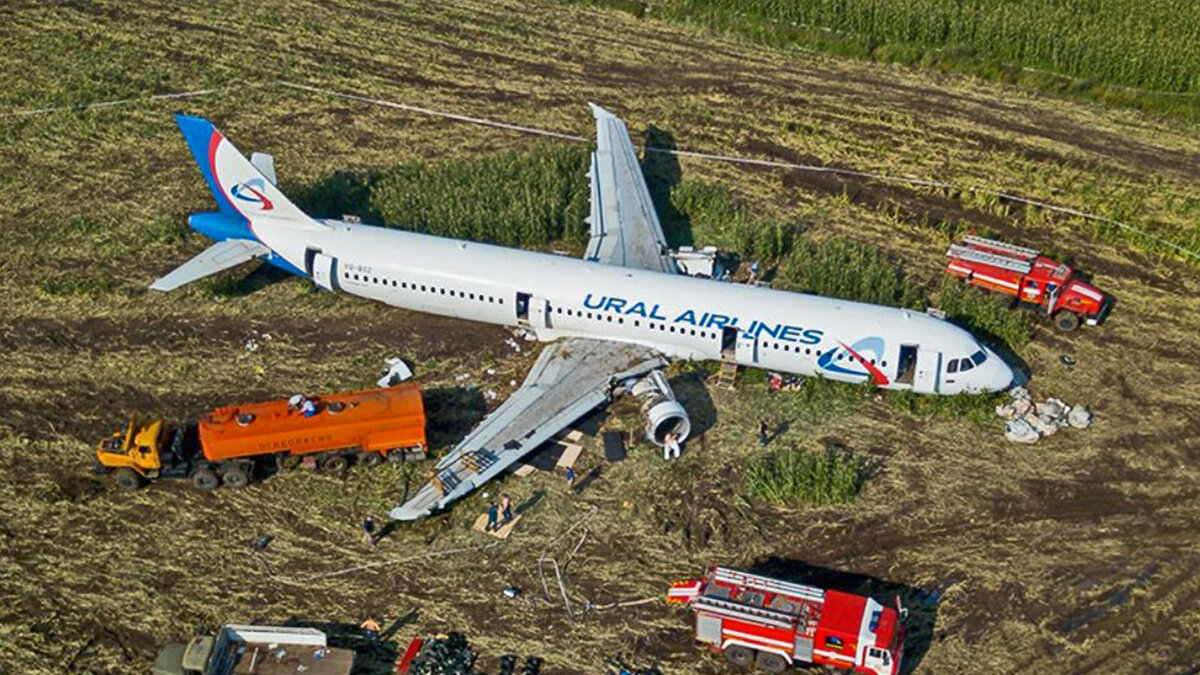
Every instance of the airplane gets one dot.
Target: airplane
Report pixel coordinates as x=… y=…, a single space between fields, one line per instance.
x=613 y=319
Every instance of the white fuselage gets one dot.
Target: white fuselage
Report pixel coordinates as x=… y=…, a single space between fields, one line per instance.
x=556 y=296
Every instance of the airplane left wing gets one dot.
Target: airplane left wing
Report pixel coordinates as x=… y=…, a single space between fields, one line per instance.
x=625 y=229
x=571 y=377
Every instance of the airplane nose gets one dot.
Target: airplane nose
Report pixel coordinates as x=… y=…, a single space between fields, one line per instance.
x=1001 y=376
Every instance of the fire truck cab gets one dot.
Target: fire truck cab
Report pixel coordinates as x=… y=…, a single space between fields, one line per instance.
x=774 y=624
x=1031 y=278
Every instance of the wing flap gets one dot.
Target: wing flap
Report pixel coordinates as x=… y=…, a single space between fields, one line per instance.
x=219 y=257
x=625 y=230
x=570 y=378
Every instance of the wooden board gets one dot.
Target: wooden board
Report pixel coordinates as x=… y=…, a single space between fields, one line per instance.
x=569 y=456
x=502 y=533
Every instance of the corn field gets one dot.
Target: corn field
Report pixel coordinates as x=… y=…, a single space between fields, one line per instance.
x=798 y=477
x=528 y=198
x=1153 y=44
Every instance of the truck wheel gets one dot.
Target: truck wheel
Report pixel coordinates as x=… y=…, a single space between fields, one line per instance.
x=205 y=479
x=126 y=478
x=771 y=662
x=1066 y=320
x=235 y=477
x=370 y=459
x=740 y=656
x=335 y=463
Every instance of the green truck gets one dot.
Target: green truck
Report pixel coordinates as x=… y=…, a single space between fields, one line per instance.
x=255 y=650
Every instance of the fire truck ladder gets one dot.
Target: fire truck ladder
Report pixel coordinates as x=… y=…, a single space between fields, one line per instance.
x=1019 y=251
x=737 y=610
x=994 y=259
x=770 y=585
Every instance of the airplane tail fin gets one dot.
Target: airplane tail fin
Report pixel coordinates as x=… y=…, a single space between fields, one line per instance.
x=240 y=187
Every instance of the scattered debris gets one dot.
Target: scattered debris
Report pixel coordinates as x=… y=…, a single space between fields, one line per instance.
x=396 y=372
x=1067 y=360
x=513 y=343
x=491 y=394
x=511 y=592
x=450 y=655
x=251 y=345
x=1028 y=422
x=263 y=542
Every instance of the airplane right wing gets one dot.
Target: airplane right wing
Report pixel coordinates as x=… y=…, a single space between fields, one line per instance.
x=625 y=228
x=219 y=257
x=571 y=377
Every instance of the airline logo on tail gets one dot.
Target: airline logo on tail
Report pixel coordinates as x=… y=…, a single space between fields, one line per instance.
x=251 y=191
x=844 y=358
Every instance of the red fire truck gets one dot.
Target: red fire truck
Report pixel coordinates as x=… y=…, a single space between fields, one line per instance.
x=753 y=619
x=1031 y=278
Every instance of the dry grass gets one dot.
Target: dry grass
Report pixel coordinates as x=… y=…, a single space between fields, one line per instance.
x=1073 y=555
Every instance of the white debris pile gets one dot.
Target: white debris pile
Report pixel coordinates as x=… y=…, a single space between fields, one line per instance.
x=1028 y=422
x=513 y=343
x=396 y=372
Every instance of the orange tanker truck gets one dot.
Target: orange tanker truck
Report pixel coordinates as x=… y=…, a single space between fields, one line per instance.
x=233 y=444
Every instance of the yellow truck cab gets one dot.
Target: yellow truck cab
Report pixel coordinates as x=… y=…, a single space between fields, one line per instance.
x=146 y=450
x=133 y=454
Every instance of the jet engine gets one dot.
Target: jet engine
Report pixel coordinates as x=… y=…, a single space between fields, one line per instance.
x=664 y=415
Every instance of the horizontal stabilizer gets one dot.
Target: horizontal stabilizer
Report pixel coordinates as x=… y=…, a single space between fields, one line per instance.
x=219 y=257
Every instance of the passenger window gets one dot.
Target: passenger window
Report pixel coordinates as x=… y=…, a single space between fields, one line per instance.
x=953 y=367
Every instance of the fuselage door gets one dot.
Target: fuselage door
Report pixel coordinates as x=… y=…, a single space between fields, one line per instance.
x=539 y=312
x=925 y=377
x=322 y=269
x=747 y=348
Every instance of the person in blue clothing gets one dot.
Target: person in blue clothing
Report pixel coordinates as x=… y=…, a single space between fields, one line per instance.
x=493 y=517
x=570 y=477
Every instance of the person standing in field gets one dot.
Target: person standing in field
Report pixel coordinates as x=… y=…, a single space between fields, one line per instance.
x=671 y=447
x=570 y=477
x=493 y=517
x=369 y=531
x=506 y=514
x=764 y=433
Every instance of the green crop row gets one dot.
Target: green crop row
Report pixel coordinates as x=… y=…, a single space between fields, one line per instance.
x=798 y=477
x=1150 y=44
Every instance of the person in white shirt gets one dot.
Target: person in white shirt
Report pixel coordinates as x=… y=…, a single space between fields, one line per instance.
x=671 y=447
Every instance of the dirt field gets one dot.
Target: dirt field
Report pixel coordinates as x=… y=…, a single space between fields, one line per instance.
x=1076 y=555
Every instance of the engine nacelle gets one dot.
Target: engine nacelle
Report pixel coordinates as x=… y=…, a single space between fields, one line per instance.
x=664 y=414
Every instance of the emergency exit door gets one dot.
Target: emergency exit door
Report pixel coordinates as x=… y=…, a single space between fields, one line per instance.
x=322 y=269
x=929 y=365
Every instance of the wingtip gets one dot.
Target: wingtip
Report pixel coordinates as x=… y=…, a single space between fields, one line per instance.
x=598 y=112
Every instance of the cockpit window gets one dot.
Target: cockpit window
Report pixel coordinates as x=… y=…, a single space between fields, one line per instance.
x=953 y=366
x=965 y=365
x=978 y=357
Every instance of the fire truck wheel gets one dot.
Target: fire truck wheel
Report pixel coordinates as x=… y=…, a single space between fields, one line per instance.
x=205 y=479
x=336 y=463
x=126 y=478
x=235 y=477
x=740 y=656
x=771 y=663
x=1066 y=320
x=369 y=459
